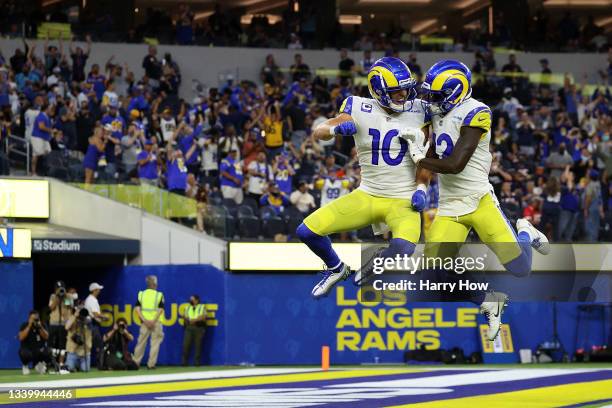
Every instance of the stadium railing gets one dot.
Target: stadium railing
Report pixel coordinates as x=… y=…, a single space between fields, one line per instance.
x=146 y=197
x=217 y=218
x=18 y=151
x=221 y=218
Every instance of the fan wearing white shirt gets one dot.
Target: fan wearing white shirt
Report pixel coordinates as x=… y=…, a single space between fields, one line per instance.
x=302 y=199
x=110 y=97
x=30 y=116
x=210 y=155
x=260 y=172
x=167 y=123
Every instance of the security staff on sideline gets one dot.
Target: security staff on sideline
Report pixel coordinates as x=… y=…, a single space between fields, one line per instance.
x=149 y=307
x=195 y=327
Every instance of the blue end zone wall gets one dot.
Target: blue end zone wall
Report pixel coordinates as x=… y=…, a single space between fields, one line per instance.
x=178 y=283
x=16 y=292
x=272 y=319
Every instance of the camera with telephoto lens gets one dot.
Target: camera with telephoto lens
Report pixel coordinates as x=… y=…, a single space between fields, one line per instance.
x=82 y=313
x=122 y=326
x=60 y=289
x=78 y=339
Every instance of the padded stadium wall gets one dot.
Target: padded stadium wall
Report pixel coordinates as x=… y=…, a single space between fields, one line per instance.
x=264 y=318
x=15 y=304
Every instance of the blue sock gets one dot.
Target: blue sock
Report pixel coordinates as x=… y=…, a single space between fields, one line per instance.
x=321 y=246
x=521 y=265
x=398 y=246
x=523 y=236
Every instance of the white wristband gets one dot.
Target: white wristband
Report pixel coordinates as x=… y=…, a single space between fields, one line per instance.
x=332 y=130
x=422 y=187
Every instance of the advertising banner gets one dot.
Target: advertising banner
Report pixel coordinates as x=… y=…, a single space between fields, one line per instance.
x=24 y=198
x=271 y=318
x=15 y=243
x=177 y=283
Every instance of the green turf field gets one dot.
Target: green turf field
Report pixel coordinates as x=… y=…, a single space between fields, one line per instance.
x=16 y=376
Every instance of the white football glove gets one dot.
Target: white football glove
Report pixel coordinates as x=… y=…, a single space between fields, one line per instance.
x=414 y=134
x=417 y=151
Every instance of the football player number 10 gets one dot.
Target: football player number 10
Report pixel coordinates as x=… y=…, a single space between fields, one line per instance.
x=377 y=151
x=442 y=140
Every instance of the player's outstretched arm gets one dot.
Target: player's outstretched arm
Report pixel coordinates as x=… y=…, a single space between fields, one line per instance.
x=335 y=126
x=458 y=159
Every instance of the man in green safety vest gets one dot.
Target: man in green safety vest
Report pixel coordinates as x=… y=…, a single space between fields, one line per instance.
x=195 y=327
x=149 y=308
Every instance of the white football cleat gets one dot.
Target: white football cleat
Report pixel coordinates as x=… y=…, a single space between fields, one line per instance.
x=25 y=370
x=493 y=308
x=365 y=274
x=539 y=242
x=329 y=281
x=41 y=367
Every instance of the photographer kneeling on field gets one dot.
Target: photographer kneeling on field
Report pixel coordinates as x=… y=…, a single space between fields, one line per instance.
x=33 y=337
x=116 y=354
x=79 y=340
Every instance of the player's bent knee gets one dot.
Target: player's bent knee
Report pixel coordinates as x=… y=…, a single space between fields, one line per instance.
x=304 y=233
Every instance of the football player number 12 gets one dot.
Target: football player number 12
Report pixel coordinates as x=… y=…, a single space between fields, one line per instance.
x=377 y=151
x=444 y=139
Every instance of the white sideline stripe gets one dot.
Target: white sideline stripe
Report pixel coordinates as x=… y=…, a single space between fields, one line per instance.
x=152 y=378
x=469 y=378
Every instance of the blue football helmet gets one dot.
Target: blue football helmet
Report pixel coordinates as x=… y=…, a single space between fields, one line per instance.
x=387 y=75
x=447 y=83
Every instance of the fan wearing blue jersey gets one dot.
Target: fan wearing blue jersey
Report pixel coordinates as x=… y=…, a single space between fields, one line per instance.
x=283 y=172
x=460 y=154
x=389 y=192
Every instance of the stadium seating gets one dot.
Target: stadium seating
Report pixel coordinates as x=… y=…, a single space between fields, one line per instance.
x=271 y=223
x=248 y=223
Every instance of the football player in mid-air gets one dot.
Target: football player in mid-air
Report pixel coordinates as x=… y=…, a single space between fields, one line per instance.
x=460 y=155
x=389 y=192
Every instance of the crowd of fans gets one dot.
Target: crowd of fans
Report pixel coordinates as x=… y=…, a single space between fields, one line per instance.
x=534 y=29
x=244 y=150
